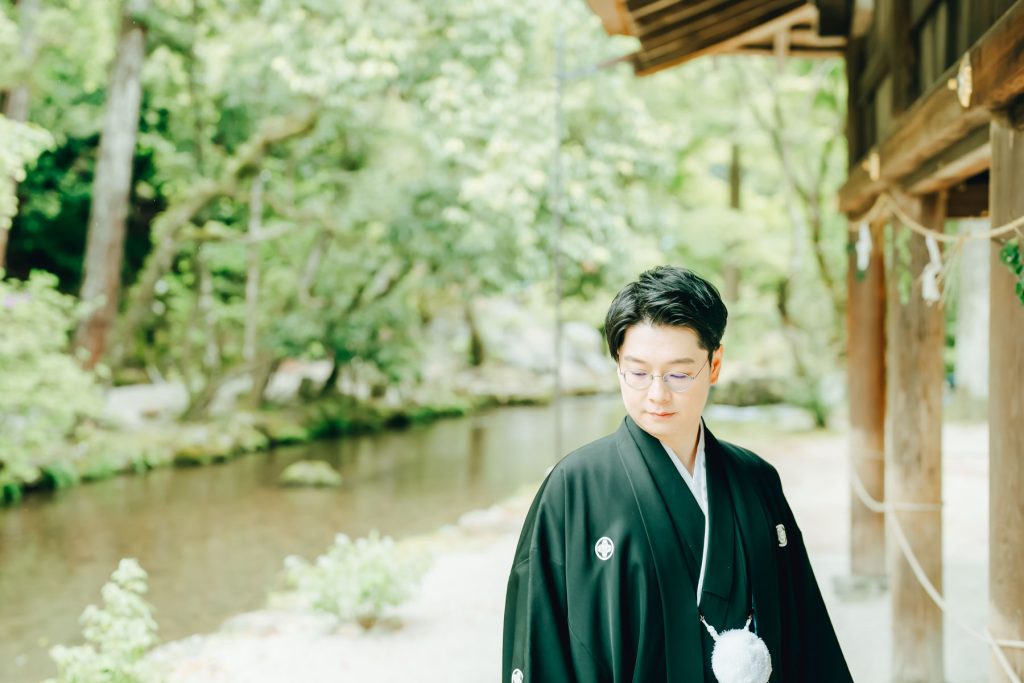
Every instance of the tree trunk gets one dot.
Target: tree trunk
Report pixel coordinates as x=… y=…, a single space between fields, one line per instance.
x=331 y=383
x=476 y=342
x=731 y=271
x=17 y=101
x=111 y=188
x=252 y=273
x=169 y=226
x=261 y=371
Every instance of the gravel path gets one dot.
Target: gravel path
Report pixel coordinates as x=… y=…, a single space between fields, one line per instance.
x=451 y=631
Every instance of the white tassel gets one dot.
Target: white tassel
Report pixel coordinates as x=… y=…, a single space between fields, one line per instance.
x=739 y=656
x=863 y=247
x=930 y=275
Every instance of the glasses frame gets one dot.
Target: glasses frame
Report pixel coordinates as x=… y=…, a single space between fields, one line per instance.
x=664 y=379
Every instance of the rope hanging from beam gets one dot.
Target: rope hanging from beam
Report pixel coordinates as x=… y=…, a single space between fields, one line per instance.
x=886 y=205
x=889 y=509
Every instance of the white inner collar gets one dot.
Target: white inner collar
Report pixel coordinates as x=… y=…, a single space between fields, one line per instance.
x=696 y=482
x=698 y=485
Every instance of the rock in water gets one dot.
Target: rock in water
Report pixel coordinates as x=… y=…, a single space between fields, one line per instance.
x=310 y=473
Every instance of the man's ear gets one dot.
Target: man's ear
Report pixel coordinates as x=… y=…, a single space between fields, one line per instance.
x=716 y=363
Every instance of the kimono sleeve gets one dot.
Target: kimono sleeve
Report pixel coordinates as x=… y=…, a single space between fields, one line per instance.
x=814 y=650
x=536 y=642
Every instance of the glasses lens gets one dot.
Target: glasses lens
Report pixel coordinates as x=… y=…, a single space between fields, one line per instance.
x=678 y=383
x=637 y=380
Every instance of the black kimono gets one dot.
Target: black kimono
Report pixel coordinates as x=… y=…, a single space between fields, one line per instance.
x=604 y=582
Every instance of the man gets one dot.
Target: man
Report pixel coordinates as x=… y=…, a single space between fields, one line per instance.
x=636 y=538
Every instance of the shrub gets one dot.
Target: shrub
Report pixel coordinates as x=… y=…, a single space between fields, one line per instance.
x=46 y=393
x=359 y=581
x=118 y=635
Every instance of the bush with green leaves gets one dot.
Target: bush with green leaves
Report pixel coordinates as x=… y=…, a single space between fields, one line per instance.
x=359 y=581
x=118 y=635
x=46 y=393
x=23 y=143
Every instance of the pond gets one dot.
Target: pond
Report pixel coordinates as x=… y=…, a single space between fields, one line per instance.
x=213 y=539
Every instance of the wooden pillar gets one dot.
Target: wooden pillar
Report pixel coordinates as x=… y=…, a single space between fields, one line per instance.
x=865 y=363
x=913 y=468
x=1006 y=409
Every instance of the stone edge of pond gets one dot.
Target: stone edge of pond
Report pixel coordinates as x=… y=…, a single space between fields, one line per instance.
x=99 y=452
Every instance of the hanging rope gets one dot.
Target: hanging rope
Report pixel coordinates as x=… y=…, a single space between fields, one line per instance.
x=934 y=272
x=886 y=204
x=889 y=509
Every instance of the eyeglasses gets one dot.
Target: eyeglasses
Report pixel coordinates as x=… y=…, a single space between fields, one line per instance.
x=677 y=382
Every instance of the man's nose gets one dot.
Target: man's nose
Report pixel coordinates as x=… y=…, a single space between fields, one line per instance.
x=658 y=391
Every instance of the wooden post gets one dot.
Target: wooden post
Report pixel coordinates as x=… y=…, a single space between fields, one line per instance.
x=1006 y=410
x=865 y=362
x=913 y=468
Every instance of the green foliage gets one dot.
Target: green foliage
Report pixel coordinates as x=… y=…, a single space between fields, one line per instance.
x=425 y=182
x=45 y=393
x=361 y=581
x=1010 y=256
x=22 y=144
x=118 y=635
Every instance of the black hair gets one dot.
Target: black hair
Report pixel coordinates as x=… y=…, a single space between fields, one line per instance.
x=671 y=296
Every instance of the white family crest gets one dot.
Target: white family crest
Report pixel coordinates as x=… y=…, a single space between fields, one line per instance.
x=781 y=531
x=604 y=548
x=517 y=676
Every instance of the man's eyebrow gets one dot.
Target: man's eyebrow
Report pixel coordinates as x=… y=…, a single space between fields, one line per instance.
x=677 y=361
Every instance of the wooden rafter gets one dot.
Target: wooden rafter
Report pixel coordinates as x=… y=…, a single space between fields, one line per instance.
x=675 y=31
x=755 y=23
x=938 y=122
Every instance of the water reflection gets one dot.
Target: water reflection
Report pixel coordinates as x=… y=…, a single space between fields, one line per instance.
x=213 y=538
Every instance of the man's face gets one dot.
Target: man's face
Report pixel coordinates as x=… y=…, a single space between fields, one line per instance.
x=665 y=350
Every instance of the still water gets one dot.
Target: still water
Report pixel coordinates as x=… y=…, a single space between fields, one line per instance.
x=213 y=539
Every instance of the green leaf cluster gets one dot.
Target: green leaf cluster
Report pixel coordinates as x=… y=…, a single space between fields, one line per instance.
x=118 y=635
x=46 y=393
x=1010 y=256
x=361 y=581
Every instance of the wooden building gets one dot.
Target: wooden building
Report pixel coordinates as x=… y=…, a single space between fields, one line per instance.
x=935 y=130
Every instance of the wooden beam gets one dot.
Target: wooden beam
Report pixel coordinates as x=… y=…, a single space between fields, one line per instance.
x=1006 y=411
x=801 y=51
x=675 y=12
x=865 y=324
x=902 y=57
x=937 y=121
x=684 y=50
x=961 y=160
x=920 y=9
x=997 y=61
x=722 y=23
x=614 y=17
x=863 y=16
x=969 y=199
x=834 y=17
x=913 y=467
x=875 y=69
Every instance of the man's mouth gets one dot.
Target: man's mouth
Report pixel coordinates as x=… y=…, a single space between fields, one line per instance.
x=659 y=414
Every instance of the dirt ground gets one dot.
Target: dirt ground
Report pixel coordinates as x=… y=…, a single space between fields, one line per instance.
x=451 y=631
